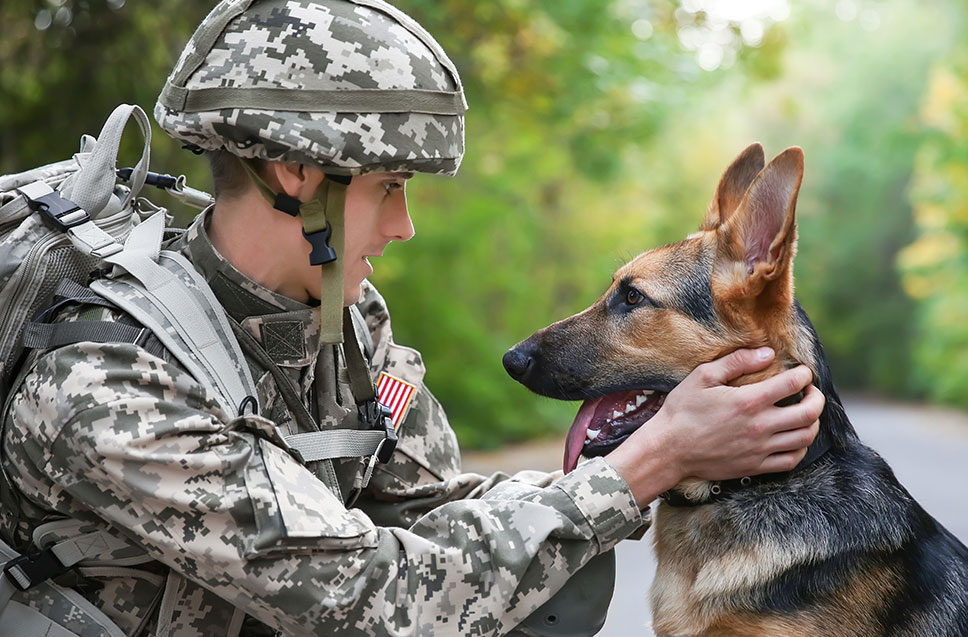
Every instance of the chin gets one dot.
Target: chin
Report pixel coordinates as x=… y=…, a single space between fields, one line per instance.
x=352 y=295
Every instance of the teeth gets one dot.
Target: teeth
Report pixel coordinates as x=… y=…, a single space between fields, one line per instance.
x=617 y=414
x=591 y=434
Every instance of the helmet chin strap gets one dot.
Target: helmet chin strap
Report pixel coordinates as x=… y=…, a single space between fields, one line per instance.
x=323 y=228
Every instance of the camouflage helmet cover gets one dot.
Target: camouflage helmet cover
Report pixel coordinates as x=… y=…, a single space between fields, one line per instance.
x=353 y=86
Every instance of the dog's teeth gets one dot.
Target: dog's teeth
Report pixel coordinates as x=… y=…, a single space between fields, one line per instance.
x=591 y=434
x=641 y=398
x=617 y=414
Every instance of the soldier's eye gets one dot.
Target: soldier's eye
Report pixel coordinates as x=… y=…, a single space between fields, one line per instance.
x=634 y=297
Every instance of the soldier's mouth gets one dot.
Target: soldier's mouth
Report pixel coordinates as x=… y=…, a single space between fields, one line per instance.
x=603 y=423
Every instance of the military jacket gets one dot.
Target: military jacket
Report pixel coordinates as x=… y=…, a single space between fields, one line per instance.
x=227 y=532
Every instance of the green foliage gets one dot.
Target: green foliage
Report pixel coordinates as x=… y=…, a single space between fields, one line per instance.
x=934 y=265
x=62 y=81
x=593 y=134
x=857 y=124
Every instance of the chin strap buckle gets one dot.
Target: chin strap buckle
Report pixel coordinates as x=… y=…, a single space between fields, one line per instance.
x=322 y=253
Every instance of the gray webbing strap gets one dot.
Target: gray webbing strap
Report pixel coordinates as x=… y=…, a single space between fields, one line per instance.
x=87 y=237
x=48 y=335
x=68 y=552
x=84 y=547
x=94 y=183
x=335 y=443
x=360 y=380
x=7 y=590
x=184 y=311
x=71 y=289
x=19 y=619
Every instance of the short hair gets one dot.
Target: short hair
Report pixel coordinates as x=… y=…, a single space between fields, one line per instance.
x=229 y=176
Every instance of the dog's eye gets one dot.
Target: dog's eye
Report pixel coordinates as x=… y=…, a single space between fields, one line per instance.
x=634 y=297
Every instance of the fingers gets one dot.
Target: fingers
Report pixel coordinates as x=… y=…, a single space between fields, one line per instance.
x=734 y=365
x=793 y=440
x=776 y=388
x=797 y=416
x=781 y=462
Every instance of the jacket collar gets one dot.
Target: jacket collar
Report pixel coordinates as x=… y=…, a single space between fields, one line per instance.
x=287 y=329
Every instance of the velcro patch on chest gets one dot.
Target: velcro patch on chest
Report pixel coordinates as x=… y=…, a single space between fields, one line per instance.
x=396 y=394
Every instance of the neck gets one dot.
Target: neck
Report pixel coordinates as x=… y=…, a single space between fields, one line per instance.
x=256 y=240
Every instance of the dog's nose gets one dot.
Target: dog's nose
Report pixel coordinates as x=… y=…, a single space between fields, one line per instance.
x=518 y=362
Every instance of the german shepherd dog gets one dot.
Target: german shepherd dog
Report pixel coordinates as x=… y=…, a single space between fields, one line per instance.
x=835 y=547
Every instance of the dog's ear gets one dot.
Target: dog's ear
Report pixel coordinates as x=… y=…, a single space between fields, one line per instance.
x=733 y=185
x=761 y=234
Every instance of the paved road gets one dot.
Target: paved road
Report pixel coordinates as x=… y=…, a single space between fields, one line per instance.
x=926 y=446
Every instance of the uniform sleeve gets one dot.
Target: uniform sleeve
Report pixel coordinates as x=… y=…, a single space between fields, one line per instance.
x=141 y=445
x=425 y=471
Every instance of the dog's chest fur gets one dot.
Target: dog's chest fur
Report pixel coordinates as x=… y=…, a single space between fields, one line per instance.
x=703 y=578
x=817 y=554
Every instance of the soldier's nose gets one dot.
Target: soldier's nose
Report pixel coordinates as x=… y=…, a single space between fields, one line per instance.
x=519 y=361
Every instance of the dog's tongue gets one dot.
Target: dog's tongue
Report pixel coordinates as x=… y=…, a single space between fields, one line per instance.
x=578 y=432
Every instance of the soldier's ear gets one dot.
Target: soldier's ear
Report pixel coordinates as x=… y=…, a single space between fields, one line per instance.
x=294 y=179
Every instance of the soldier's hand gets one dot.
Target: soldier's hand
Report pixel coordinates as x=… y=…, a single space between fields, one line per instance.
x=708 y=429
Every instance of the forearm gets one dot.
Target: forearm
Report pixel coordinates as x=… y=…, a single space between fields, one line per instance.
x=646 y=466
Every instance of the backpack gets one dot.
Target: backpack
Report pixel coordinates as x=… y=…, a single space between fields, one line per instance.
x=58 y=224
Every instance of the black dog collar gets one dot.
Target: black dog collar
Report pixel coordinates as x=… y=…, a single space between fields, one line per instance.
x=723 y=488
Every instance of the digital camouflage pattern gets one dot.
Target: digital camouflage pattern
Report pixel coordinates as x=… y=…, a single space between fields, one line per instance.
x=115 y=437
x=353 y=86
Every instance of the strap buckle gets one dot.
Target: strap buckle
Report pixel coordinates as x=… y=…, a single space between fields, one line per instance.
x=378 y=416
x=60 y=213
x=33 y=569
x=322 y=252
x=386 y=448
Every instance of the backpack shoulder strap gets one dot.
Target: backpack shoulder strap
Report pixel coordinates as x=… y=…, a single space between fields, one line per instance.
x=167 y=295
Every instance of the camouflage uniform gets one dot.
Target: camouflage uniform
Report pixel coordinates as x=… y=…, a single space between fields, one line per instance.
x=221 y=529
x=113 y=435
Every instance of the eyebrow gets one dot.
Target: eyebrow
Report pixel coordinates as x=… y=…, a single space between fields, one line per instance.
x=401 y=175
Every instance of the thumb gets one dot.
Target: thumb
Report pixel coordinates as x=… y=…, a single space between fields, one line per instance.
x=733 y=365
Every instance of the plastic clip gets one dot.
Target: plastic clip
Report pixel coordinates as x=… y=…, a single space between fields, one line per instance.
x=56 y=211
x=378 y=416
x=32 y=569
x=322 y=252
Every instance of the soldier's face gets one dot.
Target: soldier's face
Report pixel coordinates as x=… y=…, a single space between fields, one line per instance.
x=376 y=214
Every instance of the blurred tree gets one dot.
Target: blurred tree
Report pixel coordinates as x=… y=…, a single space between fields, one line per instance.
x=846 y=89
x=935 y=265
x=857 y=122
x=64 y=64
x=596 y=129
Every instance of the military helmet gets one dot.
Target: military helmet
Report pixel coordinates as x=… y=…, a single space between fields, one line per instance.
x=351 y=86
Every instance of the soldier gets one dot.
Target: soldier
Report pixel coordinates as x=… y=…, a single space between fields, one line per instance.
x=223 y=526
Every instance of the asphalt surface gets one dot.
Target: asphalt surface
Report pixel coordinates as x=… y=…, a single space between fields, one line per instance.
x=927 y=447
